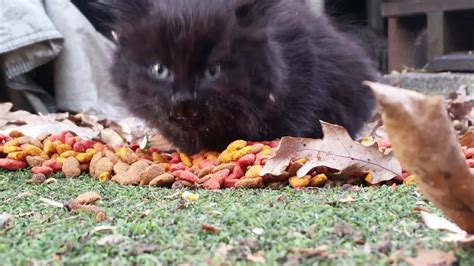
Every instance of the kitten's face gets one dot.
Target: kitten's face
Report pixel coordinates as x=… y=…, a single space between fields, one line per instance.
x=197 y=72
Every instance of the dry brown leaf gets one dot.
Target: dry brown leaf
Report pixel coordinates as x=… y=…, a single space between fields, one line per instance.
x=210 y=229
x=337 y=151
x=467 y=139
x=111 y=240
x=425 y=143
x=5 y=219
x=52 y=203
x=256 y=258
x=87 y=198
x=432 y=257
x=310 y=252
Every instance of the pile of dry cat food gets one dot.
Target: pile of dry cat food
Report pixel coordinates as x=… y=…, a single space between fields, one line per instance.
x=238 y=166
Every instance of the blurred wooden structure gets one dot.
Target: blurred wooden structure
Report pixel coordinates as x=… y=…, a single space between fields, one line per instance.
x=420 y=30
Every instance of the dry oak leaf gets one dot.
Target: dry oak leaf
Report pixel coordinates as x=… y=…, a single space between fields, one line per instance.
x=432 y=258
x=87 y=198
x=336 y=151
x=426 y=145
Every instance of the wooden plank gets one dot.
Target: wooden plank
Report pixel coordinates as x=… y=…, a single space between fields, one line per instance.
x=394 y=8
x=436 y=34
x=374 y=18
x=400 y=45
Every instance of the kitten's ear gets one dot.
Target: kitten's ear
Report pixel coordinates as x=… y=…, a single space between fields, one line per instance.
x=123 y=11
x=249 y=11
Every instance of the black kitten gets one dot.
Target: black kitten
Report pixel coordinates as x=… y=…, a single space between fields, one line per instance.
x=206 y=72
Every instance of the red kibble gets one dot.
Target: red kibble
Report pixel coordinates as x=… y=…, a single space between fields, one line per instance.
x=469 y=153
x=206 y=163
x=4 y=138
x=261 y=159
x=88 y=143
x=53 y=164
x=470 y=162
x=45 y=170
x=186 y=175
x=237 y=173
x=152 y=150
x=177 y=167
x=217 y=179
x=70 y=141
x=134 y=146
x=230 y=183
x=175 y=158
x=79 y=147
x=247 y=160
x=12 y=165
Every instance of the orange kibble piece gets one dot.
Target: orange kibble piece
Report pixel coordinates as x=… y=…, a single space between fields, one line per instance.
x=368 y=178
x=211 y=155
x=18 y=155
x=16 y=134
x=68 y=154
x=54 y=156
x=60 y=159
x=49 y=147
x=253 y=171
x=84 y=157
x=236 y=155
x=32 y=150
x=185 y=159
x=156 y=157
x=63 y=148
x=10 y=149
x=165 y=166
x=225 y=157
x=318 y=180
x=103 y=177
x=91 y=151
x=410 y=180
x=236 y=145
x=300 y=182
x=266 y=151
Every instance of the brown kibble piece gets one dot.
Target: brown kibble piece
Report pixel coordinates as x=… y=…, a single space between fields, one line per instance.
x=132 y=176
x=112 y=156
x=128 y=156
x=100 y=216
x=294 y=167
x=150 y=173
x=121 y=167
x=103 y=165
x=71 y=167
x=93 y=164
x=205 y=171
x=36 y=179
x=277 y=185
x=87 y=198
x=164 y=180
x=34 y=161
x=256 y=182
x=178 y=184
x=268 y=178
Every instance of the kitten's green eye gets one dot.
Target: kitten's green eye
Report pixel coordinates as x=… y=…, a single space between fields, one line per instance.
x=159 y=71
x=213 y=72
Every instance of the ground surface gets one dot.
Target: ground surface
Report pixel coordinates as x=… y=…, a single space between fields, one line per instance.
x=288 y=218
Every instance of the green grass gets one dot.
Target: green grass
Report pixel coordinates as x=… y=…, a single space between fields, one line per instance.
x=289 y=219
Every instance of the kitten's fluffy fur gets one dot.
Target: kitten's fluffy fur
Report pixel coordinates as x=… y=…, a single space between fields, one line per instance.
x=282 y=70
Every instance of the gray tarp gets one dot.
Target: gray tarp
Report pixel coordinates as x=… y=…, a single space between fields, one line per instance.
x=35 y=32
